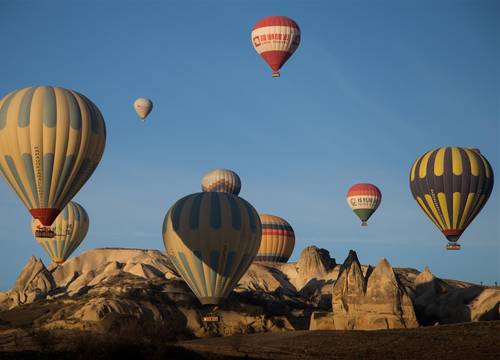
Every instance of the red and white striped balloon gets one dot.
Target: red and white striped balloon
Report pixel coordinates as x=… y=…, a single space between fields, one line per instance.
x=276 y=38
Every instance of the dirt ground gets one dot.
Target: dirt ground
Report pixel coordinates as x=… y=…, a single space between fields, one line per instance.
x=460 y=341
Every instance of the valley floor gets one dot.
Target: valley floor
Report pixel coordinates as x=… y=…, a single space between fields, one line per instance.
x=480 y=340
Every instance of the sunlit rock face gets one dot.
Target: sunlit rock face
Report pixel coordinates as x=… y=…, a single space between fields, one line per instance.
x=33 y=283
x=348 y=293
x=105 y=290
x=375 y=301
x=386 y=301
x=114 y=287
x=312 y=275
x=322 y=320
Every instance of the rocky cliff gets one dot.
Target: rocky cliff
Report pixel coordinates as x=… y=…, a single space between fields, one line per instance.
x=113 y=290
x=376 y=300
x=438 y=301
x=105 y=289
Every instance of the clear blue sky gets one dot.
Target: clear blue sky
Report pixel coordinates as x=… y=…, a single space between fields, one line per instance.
x=373 y=85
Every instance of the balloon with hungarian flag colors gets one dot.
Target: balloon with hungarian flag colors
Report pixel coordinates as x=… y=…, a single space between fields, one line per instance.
x=276 y=38
x=364 y=199
x=451 y=185
x=51 y=141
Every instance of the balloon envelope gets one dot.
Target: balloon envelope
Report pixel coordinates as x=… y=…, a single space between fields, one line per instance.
x=221 y=180
x=67 y=232
x=51 y=141
x=278 y=239
x=143 y=107
x=211 y=238
x=364 y=199
x=275 y=38
x=451 y=185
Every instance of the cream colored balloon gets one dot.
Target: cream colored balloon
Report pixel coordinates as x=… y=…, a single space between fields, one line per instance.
x=221 y=180
x=51 y=141
x=65 y=234
x=143 y=107
x=211 y=238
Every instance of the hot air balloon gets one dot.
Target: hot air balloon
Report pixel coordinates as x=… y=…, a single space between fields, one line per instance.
x=65 y=234
x=276 y=38
x=143 y=107
x=51 y=141
x=364 y=199
x=451 y=185
x=221 y=180
x=278 y=239
x=211 y=238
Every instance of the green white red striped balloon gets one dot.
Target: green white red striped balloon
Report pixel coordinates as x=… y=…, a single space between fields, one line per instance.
x=364 y=199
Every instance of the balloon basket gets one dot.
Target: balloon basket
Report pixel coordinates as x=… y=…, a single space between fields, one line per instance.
x=275 y=74
x=364 y=223
x=210 y=314
x=452 y=246
x=45 y=233
x=211 y=318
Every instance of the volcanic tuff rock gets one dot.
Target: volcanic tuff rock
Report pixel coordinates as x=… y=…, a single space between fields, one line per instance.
x=105 y=288
x=33 y=283
x=386 y=301
x=322 y=320
x=312 y=275
x=348 y=291
x=112 y=290
x=375 y=301
x=439 y=301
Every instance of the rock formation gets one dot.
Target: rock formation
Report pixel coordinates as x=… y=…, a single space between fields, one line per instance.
x=33 y=283
x=110 y=290
x=386 y=301
x=314 y=264
x=312 y=275
x=321 y=320
x=377 y=301
x=438 y=301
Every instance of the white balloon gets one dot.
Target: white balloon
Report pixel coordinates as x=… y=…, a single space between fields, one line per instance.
x=143 y=107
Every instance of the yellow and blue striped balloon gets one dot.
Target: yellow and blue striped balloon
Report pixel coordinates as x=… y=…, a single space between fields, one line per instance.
x=211 y=238
x=51 y=141
x=451 y=185
x=67 y=232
